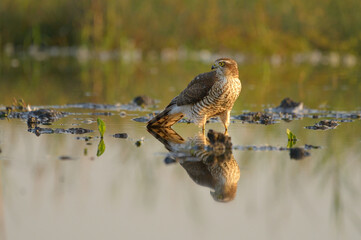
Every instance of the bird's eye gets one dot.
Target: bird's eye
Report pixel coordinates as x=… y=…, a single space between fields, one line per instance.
x=221 y=64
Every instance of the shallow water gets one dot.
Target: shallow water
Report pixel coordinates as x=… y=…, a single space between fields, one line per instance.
x=54 y=186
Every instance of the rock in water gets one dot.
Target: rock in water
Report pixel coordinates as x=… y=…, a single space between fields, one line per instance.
x=143 y=100
x=288 y=106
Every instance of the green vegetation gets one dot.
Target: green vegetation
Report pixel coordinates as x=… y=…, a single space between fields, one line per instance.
x=101 y=145
x=291 y=139
x=101 y=127
x=259 y=27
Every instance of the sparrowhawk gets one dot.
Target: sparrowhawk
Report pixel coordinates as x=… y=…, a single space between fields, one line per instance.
x=208 y=95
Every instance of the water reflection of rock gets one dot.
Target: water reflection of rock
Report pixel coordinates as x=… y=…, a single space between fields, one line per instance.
x=298 y=153
x=39 y=130
x=208 y=161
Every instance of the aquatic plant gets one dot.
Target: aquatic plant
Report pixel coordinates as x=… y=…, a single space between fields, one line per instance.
x=101 y=147
x=101 y=127
x=291 y=139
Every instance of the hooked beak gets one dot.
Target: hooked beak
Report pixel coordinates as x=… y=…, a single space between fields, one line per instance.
x=214 y=66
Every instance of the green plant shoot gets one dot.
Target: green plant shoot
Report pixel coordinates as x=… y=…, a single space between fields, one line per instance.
x=101 y=127
x=101 y=148
x=291 y=139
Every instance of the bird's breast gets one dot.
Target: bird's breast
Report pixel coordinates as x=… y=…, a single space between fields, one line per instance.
x=220 y=98
x=226 y=91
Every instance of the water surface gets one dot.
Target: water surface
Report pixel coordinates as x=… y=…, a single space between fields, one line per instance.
x=54 y=186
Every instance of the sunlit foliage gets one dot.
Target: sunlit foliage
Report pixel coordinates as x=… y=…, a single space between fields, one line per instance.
x=258 y=26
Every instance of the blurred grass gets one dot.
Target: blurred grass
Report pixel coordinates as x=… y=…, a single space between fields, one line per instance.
x=66 y=80
x=259 y=27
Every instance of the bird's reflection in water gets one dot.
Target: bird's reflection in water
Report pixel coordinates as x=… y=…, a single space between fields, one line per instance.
x=208 y=161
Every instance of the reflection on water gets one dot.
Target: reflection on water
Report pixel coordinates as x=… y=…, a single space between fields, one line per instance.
x=208 y=161
x=58 y=177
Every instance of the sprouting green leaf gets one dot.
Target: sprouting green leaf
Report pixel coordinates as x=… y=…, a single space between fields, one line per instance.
x=291 y=136
x=291 y=139
x=101 y=148
x=290 y=144
x=101 y=127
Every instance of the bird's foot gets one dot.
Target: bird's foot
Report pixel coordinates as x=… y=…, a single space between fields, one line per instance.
x=226 y=131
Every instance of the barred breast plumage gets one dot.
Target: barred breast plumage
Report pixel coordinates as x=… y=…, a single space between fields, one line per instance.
x=207 y=95
x=220 y=99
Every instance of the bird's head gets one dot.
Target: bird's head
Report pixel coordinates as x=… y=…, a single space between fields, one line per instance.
x=226 y=66
x=224 y=193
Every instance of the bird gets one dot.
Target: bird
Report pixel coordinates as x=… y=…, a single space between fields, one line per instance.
x=208 y=161
x=208 y=95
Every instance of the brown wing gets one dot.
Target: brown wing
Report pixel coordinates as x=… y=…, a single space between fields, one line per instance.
x=197 y=89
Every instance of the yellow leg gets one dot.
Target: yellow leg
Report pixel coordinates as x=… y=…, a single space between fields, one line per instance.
x=225 y=118
x=225 y=130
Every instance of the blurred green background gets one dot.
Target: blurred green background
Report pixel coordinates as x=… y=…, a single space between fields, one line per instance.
x=65 y=51
x=259 y=26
